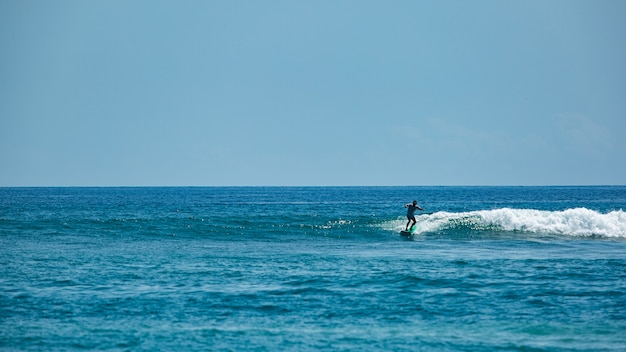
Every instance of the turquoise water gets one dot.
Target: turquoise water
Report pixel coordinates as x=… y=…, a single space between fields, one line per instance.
x=318 y=268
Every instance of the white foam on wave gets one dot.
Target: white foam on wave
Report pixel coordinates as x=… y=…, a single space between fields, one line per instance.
x=575 y=222
x=570 y=222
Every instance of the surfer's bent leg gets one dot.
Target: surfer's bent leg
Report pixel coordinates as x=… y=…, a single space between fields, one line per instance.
x=411 y=218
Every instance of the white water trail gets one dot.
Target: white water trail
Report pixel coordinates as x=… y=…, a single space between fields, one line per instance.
x=578 y=222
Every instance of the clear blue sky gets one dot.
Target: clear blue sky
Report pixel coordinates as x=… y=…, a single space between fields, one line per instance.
x=143 y=93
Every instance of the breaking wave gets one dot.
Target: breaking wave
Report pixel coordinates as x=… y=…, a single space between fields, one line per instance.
x=579 y=222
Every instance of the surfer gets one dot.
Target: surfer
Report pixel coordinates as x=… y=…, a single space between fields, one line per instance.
x=410 y=213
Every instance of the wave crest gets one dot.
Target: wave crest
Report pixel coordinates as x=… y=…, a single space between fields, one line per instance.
x=570 y=222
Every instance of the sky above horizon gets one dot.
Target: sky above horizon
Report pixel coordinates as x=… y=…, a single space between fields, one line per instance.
x=247 y=93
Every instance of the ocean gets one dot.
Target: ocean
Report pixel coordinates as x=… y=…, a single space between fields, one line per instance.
x=312 y=269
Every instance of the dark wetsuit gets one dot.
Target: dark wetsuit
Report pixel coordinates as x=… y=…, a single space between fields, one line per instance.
x=410 y=213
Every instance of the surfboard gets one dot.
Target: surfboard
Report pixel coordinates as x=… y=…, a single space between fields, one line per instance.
x=409 y=232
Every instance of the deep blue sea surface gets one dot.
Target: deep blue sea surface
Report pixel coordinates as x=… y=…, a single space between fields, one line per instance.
x=313 y=268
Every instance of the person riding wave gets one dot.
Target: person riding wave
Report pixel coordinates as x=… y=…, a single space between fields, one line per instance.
x=410 y=213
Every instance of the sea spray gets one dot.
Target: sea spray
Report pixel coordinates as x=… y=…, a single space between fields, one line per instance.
x=570 y=222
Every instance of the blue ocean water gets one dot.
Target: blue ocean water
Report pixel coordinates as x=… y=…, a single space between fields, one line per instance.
x=313 y=268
